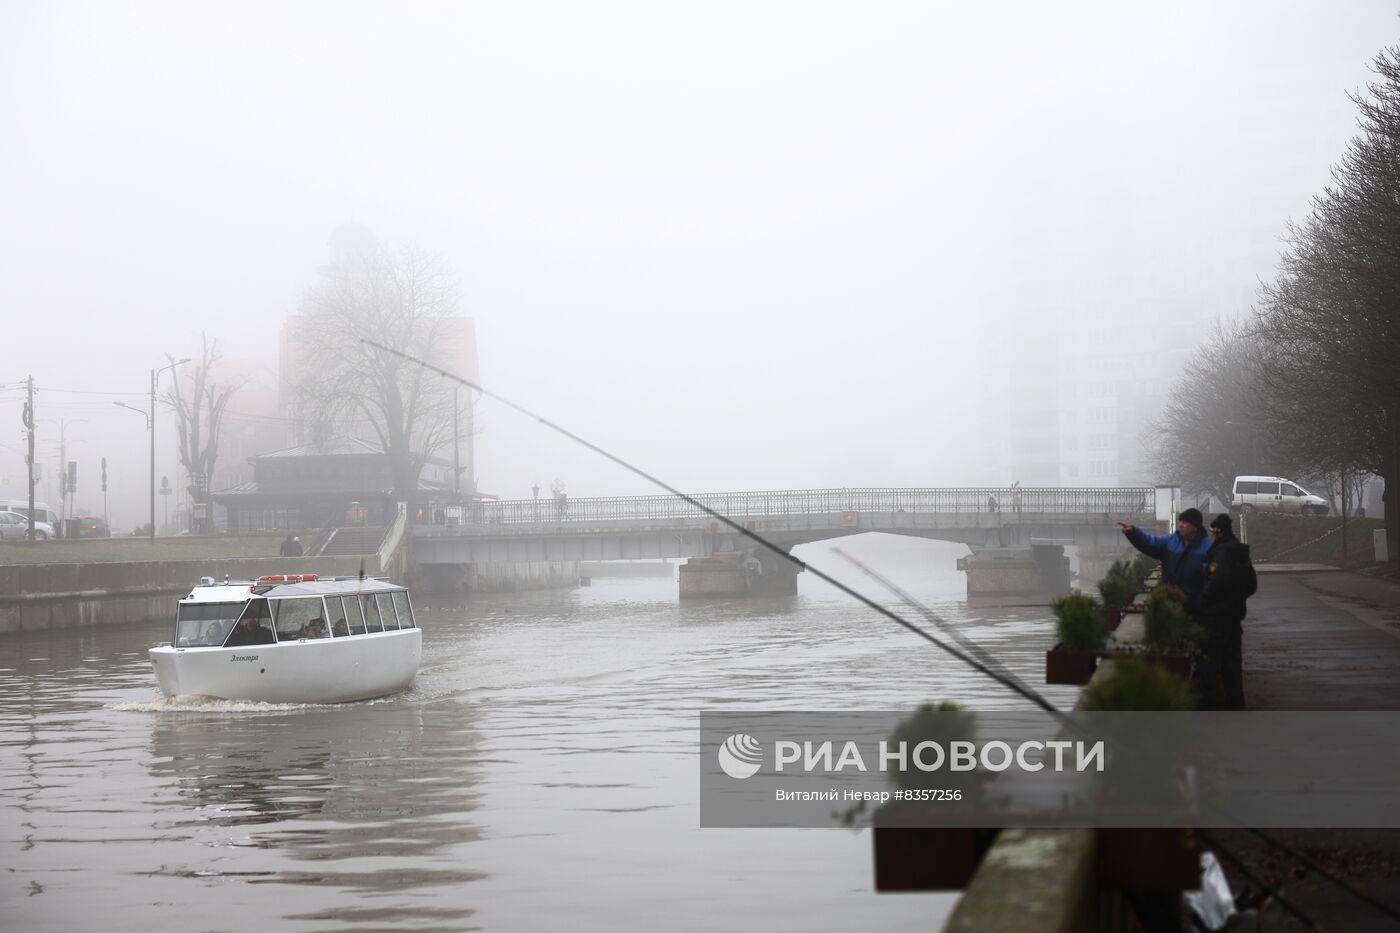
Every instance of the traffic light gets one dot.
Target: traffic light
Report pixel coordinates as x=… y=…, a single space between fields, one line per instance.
x=72 y=476
x=104 y=474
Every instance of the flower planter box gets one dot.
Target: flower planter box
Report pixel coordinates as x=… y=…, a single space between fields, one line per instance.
x=918 y=859
x=1065 y=666
x=1148 y=860
x=1175 y=662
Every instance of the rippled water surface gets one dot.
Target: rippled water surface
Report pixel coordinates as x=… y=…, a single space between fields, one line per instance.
x=539 y=775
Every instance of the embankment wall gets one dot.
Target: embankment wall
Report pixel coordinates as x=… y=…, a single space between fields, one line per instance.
x=41 y=597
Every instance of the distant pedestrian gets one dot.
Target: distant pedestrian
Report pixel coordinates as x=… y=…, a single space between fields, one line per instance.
x=294 y=547
x=286 y=549
x=991 y=503
x=1016 y=496
x=1230 y=581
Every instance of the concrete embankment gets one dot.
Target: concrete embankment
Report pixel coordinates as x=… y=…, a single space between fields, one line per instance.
x=41 y=597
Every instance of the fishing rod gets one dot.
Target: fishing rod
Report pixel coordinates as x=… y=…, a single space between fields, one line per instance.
x=994 y=670
x=1010 y=683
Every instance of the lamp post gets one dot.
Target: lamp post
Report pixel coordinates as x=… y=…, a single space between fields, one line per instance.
x=155 y=374
x=151 y=426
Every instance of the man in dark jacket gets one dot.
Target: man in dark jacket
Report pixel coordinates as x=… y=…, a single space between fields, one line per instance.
x=1230 y=580
x=1182 y=553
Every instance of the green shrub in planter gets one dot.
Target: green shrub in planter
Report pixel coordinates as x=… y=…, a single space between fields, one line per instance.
x=1136 y=684
x=1079 y=623
x=1142 y=566
x=943 y=723
x=1170 y=591
x=1119 y=586
x=1166 y=625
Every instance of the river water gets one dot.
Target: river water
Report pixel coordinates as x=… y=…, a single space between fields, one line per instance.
x=541 y=773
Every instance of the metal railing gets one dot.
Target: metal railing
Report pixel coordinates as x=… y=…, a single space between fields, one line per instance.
x=737 y=505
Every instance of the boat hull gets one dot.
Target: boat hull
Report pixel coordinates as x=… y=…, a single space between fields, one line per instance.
x=335 y=670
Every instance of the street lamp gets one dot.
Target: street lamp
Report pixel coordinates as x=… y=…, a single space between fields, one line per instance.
x=155 y=374
x=151 y=426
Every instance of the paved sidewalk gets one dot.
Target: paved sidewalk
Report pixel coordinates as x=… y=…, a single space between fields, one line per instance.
x=1324 y=641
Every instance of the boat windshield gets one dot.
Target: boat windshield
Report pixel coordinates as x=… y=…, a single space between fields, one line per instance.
x=200 y=625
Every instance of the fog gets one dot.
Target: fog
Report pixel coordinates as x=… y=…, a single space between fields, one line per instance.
x=745 y=246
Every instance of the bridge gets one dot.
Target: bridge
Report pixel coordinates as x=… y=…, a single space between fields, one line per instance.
x=1010 y=527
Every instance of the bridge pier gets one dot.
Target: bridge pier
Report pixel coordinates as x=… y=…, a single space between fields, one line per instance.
x=1093 y=565
x=1038 y=570
x=757 y=572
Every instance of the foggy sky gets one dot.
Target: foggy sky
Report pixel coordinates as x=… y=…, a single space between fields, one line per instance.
x=745 y=245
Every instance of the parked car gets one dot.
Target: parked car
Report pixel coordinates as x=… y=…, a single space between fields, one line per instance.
x=42 y=512
x=1276 y=494
x=15 y=527
x=92 y=526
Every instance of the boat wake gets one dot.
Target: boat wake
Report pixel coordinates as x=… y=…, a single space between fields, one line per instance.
x=199 y=705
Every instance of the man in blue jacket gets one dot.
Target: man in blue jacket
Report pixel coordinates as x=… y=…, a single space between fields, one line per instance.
x=1182 y=553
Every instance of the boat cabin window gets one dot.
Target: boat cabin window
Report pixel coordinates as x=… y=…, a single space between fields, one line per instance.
x=371 y=609
x=254 y=626
x=354 y=614
x=300 y=617
x=404 y=609
x=386 y=611
x=200 y=625
x=338 y=618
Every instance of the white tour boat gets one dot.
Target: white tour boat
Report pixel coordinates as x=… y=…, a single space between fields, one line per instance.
x=292 y=638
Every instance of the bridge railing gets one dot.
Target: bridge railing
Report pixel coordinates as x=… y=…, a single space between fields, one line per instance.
x=739 y=505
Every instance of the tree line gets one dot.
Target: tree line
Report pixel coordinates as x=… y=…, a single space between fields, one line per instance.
x=1308 y=385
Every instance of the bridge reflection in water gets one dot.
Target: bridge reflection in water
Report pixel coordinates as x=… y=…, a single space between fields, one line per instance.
x=1016 y=534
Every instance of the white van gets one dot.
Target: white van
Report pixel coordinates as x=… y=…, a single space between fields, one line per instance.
x=42 y=512
x=1276 y=494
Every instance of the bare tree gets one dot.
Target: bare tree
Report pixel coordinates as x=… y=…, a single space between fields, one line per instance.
x=403 y=300
x=200 y=415
x=1210 y=430
x=1330 y=323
